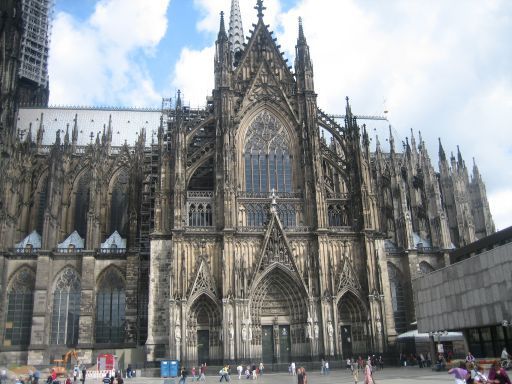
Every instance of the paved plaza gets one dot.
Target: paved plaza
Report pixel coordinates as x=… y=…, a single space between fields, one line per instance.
x=386 y=376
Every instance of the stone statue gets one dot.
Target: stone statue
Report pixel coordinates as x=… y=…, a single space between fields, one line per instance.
x=244 y=332
x=330 y=330
x=317 y=330
x=177 y=333
x=250 y=332
x=308 y=331
x=231 y=331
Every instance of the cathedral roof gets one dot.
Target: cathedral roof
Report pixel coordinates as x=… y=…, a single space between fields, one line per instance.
x=126 y=123
x=34 y=239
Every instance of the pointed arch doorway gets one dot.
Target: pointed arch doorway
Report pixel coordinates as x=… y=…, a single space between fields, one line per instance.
x=278 y=314
x=353 y=325
x=204 y=327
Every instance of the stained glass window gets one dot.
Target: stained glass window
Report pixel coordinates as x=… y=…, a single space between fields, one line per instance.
x=110 y=309
x=66 y=309
x=267 y=156
x=20 y=301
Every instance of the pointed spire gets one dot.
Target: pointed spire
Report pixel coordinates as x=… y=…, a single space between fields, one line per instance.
x=302 y=38
x=476 y=172
x=391 y=140
x=260 y=8
x=222 y=28
x=40 y=131
x=413 y=139
x=460 y=161
x=178 y=100
x=442 y=154
x=236 y=31
x=74 y=135
x=109 y=129
x=29 y=134
x=377 y=143
x=66 y=136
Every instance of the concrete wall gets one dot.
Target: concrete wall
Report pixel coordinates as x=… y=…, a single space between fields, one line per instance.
x=472 y=293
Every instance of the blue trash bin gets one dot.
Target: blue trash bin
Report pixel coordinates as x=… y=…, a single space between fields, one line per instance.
x=165 y=368
x=174 y=368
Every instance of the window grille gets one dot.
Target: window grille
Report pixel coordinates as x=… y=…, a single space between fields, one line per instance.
x=66 y=309
x=110 y=309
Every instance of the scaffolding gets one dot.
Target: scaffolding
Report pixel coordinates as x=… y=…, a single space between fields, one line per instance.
x=35 y=41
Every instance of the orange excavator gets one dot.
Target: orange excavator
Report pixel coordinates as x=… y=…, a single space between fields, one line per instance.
x=60 y=369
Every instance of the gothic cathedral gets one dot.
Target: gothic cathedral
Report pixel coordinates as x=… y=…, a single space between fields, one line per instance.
x=259 y=228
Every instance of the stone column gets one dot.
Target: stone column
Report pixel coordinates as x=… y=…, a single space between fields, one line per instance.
x=39 y=336
x=87 y=300
x=158 y=305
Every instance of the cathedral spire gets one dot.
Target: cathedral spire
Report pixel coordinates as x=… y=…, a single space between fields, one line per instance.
x=476 y=172
x=391 y=140
x=222 y=27
x=442 y=154
x=236 y=31
x=460 y=161
x=302 y=38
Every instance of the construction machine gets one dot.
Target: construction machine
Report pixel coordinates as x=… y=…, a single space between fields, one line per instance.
x=60 y=368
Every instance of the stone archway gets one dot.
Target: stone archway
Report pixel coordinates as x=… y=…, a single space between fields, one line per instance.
x=279 y=316
x=353 y=325
x=204 y=327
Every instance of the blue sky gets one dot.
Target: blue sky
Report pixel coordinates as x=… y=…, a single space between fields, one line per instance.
x=439 y=67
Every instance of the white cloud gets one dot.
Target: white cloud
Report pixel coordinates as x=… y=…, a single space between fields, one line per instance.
x=109 y=48
x=442 y=67
x=191 y=77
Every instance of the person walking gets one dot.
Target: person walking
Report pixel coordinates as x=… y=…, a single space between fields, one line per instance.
x=368 y=379
x=202 y=370
x=262 y=368
x=84 y=372
x=239 y=369
x=183 y=376
x=355 y=373
x=302 y=378
x=224 y=373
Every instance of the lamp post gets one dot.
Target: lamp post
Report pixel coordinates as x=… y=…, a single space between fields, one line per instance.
x=437 y=348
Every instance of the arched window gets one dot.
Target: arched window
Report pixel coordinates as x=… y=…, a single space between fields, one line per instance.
x=66 y=308
x=200 y=215
x=426 y=267
x=397 y=298
x=82 y=204
x=110 y=309
x=267 y=156
x=119 y=205
x=20 y=300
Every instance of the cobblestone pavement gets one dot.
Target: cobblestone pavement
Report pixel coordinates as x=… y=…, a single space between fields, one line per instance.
x=386 y=376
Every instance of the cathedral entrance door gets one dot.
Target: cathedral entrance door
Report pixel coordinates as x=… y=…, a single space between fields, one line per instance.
x=203 y=346
x=346 y=340
x=267 y=341
x=284 y=344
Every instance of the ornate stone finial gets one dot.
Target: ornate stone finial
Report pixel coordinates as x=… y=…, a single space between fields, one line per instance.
x=273 y=204
x=260 y=8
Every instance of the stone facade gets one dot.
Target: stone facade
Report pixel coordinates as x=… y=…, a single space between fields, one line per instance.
x=257 y=228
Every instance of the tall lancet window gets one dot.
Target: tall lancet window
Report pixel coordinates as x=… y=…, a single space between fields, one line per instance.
x=267 y=156
x=20 y=298
x=110 y=308
x=119 y=204
x=66 y=308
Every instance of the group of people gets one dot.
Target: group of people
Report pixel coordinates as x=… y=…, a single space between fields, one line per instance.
x=422 y=360
x=251 y=371
x=366 y=366
x=197 y=375
x=110 y=379
x=470 y=373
